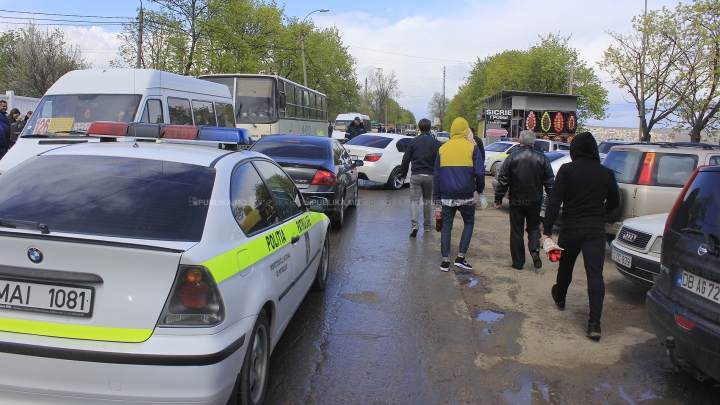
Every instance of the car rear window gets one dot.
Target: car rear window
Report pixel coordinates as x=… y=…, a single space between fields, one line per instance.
x=675 y=170
x=110 y=196
x=371 y=141
x=277 y=147
x=700 y=209
x=624 y=163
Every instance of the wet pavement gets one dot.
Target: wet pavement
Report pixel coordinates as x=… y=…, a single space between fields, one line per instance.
x=391 y=328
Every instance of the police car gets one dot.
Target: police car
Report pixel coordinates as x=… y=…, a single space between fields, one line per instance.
x=160 y=269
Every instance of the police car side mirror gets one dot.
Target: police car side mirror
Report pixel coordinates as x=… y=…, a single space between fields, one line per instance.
x=358 y=163
x=317 y=204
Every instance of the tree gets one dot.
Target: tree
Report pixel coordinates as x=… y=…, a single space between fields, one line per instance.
x=437 y=107
x=163 y=43
x=645 y=63
x=383 y=88
x=34 y=59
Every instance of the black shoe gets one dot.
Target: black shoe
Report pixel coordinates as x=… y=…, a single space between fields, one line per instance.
x=536 y=260
x=462 y=263
x=516 y=267
x=445 y=265
x=413 y=231
x=560 y=304
x=593 y=331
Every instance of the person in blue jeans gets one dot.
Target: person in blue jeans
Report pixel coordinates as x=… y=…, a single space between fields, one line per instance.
x=459 y=172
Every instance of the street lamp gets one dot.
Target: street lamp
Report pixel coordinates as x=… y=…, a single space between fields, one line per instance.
x=366 y=78
x=302 y=42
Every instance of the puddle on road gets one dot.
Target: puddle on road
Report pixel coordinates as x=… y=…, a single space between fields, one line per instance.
x=468 y=282
x=489 y=316
x=533 y=393
x=365 y=297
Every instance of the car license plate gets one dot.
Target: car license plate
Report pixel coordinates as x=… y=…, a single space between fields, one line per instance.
x=623 y=259
x=699 y=285
x=47 y=298
x=355 y=157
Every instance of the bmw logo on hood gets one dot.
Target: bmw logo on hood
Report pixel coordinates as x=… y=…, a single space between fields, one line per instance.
x=35 y=255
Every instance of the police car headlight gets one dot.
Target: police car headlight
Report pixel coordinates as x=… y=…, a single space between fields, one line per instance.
x=657 y=245
x=194 y=300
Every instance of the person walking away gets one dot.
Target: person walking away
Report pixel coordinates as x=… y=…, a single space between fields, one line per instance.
x=587 y=191
x=478 y=142
x=523 y=175
x=421 y=152
x=355 y=128
x=459 y=172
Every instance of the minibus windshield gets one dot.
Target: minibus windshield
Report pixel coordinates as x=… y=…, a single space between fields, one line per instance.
x=72 y=114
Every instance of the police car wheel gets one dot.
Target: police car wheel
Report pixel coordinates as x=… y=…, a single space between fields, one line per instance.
x=255 y=370
x=493 y=169
x=323 y=267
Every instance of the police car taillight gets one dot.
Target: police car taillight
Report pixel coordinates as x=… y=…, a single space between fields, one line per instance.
x=194 y=300
x=108 y=128
x=188 y=132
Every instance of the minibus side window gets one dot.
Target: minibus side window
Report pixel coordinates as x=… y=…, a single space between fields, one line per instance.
x=179 y=111
x=204 y=113
x=225 y=115
x=153 y=113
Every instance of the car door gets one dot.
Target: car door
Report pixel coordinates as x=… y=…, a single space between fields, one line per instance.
x=303 y=236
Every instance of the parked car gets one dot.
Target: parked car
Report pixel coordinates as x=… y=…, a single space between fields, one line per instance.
x=605 y=146
x=496 y=152
x=443 y=136
x=684 y=304
x=651 y=175
x=382 y=156
x=557 y=159
x=319 y=166
x=636 y=249
x=546 y=146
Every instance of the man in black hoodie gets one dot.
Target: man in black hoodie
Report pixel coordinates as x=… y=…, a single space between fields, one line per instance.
x=587 y=192
x=421 y=152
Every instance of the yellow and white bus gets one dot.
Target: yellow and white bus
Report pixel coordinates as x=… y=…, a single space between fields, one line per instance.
x=269 y=104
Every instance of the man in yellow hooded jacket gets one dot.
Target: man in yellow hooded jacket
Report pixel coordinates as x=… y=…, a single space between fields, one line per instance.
x=459 y=173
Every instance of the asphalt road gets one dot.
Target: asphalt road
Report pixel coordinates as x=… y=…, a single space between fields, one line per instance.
x=392 y=329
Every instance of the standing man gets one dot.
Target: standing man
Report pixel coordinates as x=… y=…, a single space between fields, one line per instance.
x=421 y=152
x=5 y=120
x=459 y=172
x=524 y=174
x=587 y=191
x=330 y=129
x=355 y=128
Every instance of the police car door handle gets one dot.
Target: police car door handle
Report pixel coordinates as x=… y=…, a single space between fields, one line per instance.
x=295 y=239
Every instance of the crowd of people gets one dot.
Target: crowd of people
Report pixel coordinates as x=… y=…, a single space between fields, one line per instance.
x=448 y=176
x=11 y=124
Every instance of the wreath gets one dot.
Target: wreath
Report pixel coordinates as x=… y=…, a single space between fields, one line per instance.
x=559 y=122
x=531 y=121
x=571 y=123
x=545 y=122
x=558 y=138
x=570 y=138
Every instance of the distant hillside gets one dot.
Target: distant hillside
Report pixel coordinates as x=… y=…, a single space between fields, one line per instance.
x=631 y=134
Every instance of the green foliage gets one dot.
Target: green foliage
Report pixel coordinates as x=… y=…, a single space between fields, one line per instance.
x=541 y=68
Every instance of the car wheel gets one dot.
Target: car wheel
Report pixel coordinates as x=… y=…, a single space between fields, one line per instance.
x=395 y=181
x=256 y=367
x=323 y=268
x=356 y=198
x=493 y=168
x=339 y=219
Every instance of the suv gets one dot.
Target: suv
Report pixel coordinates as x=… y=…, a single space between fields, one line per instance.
x=651 y=175
x=684 y=305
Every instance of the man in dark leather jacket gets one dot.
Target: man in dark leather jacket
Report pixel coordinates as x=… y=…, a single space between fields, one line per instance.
x=525 y=173
x=355 y=128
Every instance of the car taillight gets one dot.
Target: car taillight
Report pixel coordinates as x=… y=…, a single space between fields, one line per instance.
x=684 y=323
x=194 y=300
x=324 y=178
x=373 y=157
x=681 y=197
x=647 y=169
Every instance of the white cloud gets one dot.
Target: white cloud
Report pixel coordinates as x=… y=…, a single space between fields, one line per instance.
x=98 y=46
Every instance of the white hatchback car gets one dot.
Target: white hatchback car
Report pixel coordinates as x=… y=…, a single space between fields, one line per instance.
x=636 y=248
x=496 y=152
x=150 y=271
x=382 y=156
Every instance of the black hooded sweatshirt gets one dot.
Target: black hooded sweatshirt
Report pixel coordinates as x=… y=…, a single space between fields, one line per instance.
x=586 y=189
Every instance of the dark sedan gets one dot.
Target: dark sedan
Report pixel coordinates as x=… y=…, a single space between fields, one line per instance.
x=319 y=166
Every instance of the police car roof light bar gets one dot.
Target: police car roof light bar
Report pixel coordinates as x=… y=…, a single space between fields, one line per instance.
x=238 y=136
x=186 y=132
x=108 y=128
x=144 y=130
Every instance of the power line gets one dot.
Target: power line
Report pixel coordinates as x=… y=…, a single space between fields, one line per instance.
x=64 y=15
x=59 y=20
x=66 y=24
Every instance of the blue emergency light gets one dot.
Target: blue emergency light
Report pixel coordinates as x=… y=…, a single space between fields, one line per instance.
x=239 y=136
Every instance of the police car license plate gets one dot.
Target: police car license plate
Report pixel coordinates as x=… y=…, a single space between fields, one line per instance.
x=623 y=259
x=47 y=298
x=699 y=285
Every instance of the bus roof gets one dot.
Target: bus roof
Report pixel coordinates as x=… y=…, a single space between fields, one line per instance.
x=132 y=81
x=260 y=75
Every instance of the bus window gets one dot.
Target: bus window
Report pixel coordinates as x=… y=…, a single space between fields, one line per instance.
x=255 y=100
x=153 y=113
x=281 y=89
x=179 y=111
x=225 y=115
x=204 y=113
x=290 y=100
x=306 y=104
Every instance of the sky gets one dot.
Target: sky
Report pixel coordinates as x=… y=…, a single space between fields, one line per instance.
x=413 y=38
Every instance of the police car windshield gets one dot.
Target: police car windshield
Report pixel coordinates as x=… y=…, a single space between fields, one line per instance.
x=498 y=147
x=73 y=113
x=109 y=196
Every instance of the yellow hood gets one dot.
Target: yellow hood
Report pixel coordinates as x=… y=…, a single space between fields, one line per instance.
x=459 y=129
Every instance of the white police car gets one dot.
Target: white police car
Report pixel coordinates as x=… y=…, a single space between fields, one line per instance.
x=150 y=271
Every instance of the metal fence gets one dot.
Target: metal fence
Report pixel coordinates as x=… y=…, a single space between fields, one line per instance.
x=24 y=104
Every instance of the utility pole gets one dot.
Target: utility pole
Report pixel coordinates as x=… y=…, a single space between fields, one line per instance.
x=572 y=74
x=442 y=119
x=302 y=47
x=140 y=37
x=641 y=108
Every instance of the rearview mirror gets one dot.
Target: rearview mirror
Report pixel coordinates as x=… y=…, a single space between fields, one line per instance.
x=318 y=204
x=282 y=102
